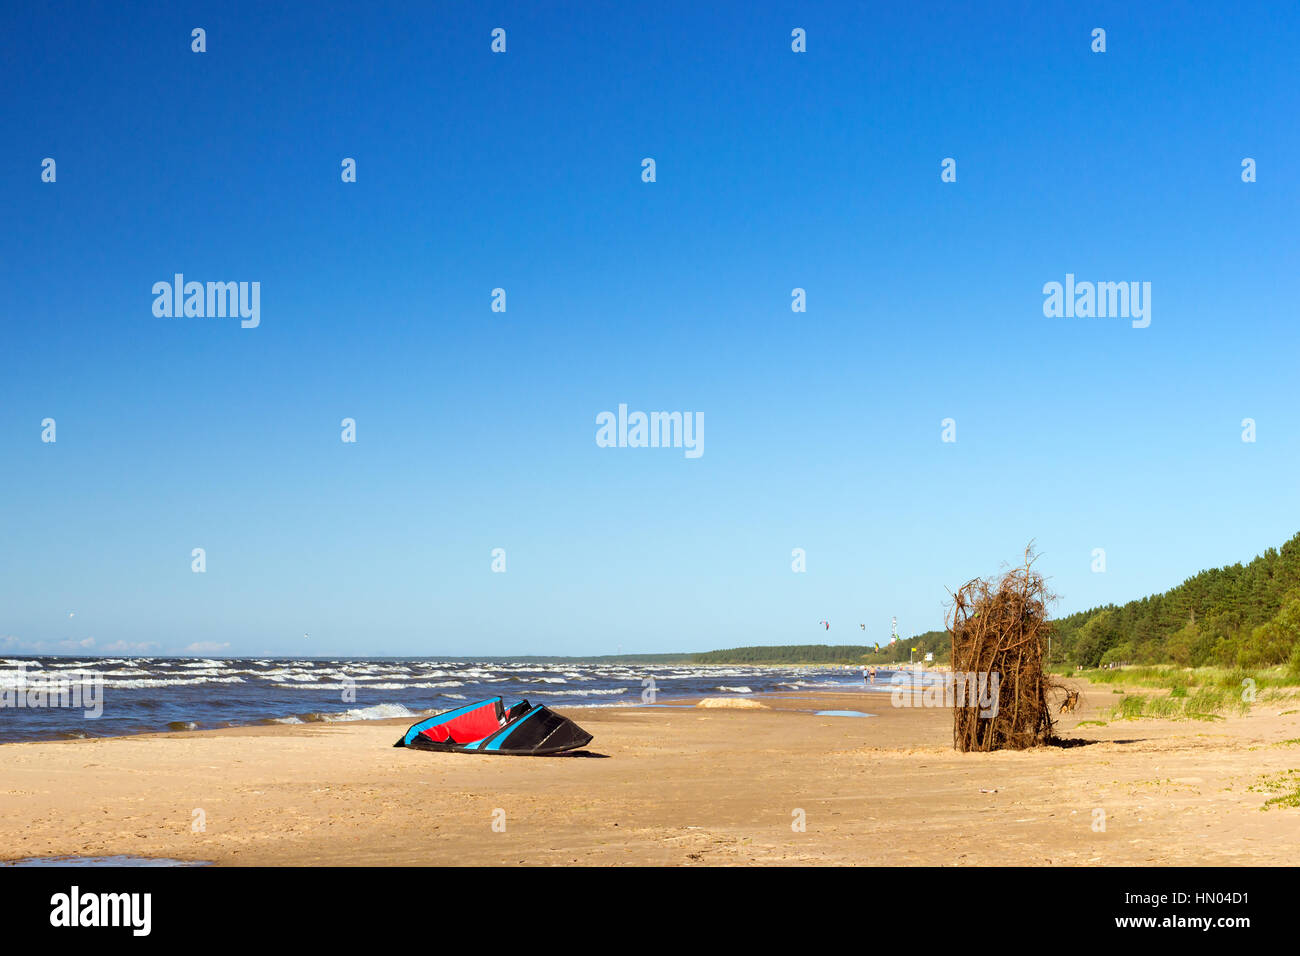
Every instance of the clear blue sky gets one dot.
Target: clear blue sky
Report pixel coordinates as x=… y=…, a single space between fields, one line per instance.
x=476 y=430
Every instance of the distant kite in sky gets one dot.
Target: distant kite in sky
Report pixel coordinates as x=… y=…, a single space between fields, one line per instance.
x=825 y=624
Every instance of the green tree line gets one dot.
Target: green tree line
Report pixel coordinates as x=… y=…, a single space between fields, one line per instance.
x=786 y=654
x=935 y=642
x=900 y=652
x=1243 y=615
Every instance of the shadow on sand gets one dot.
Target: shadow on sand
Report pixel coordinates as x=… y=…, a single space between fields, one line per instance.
x=1065 y=742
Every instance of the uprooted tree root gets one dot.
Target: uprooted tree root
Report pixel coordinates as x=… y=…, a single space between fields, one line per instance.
x=999 y=626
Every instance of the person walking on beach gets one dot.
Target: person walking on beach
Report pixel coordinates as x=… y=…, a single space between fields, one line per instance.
x=864 y=675
x=873 y=675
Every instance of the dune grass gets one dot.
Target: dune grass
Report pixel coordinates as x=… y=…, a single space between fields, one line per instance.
x=1181 y=680
x=1288 y=782
x=1203 y=704
x=1191 y=693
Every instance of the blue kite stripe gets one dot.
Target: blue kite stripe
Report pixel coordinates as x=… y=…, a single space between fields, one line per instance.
x=416 y=728
x=501 y=738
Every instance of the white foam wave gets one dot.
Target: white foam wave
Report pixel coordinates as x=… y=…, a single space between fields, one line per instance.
x=374 y=712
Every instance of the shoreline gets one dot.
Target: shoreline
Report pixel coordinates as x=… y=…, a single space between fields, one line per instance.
x=385 y=704
x=679 y=785
x=296 y=720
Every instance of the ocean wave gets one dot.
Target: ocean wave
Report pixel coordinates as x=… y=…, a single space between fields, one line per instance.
x=141 y=682
x=153 y=695
x=293 y=675
x=374 y=712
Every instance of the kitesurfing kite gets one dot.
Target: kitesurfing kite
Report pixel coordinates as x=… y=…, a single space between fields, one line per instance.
x=488 y=727
x=825 y=624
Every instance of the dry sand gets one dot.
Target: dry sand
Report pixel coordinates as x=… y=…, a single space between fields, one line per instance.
x=677 y=786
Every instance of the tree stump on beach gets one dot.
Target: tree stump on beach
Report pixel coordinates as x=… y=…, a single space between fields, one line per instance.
x=999 y=629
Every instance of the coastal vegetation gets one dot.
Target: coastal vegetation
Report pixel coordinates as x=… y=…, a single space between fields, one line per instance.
x=1224 y=624
x=914 y=648
x=1205 y=704
x=786 y=654
x=1244 y=616
x=1283 y=788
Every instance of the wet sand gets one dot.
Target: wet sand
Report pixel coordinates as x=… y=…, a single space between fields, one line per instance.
x=675 y=785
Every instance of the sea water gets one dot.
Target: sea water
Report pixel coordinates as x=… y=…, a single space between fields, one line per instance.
x=144 y=694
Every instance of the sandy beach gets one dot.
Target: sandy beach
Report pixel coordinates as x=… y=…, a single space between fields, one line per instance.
x=676 y=786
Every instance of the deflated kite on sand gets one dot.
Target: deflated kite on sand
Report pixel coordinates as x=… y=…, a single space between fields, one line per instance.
x=488 y=727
